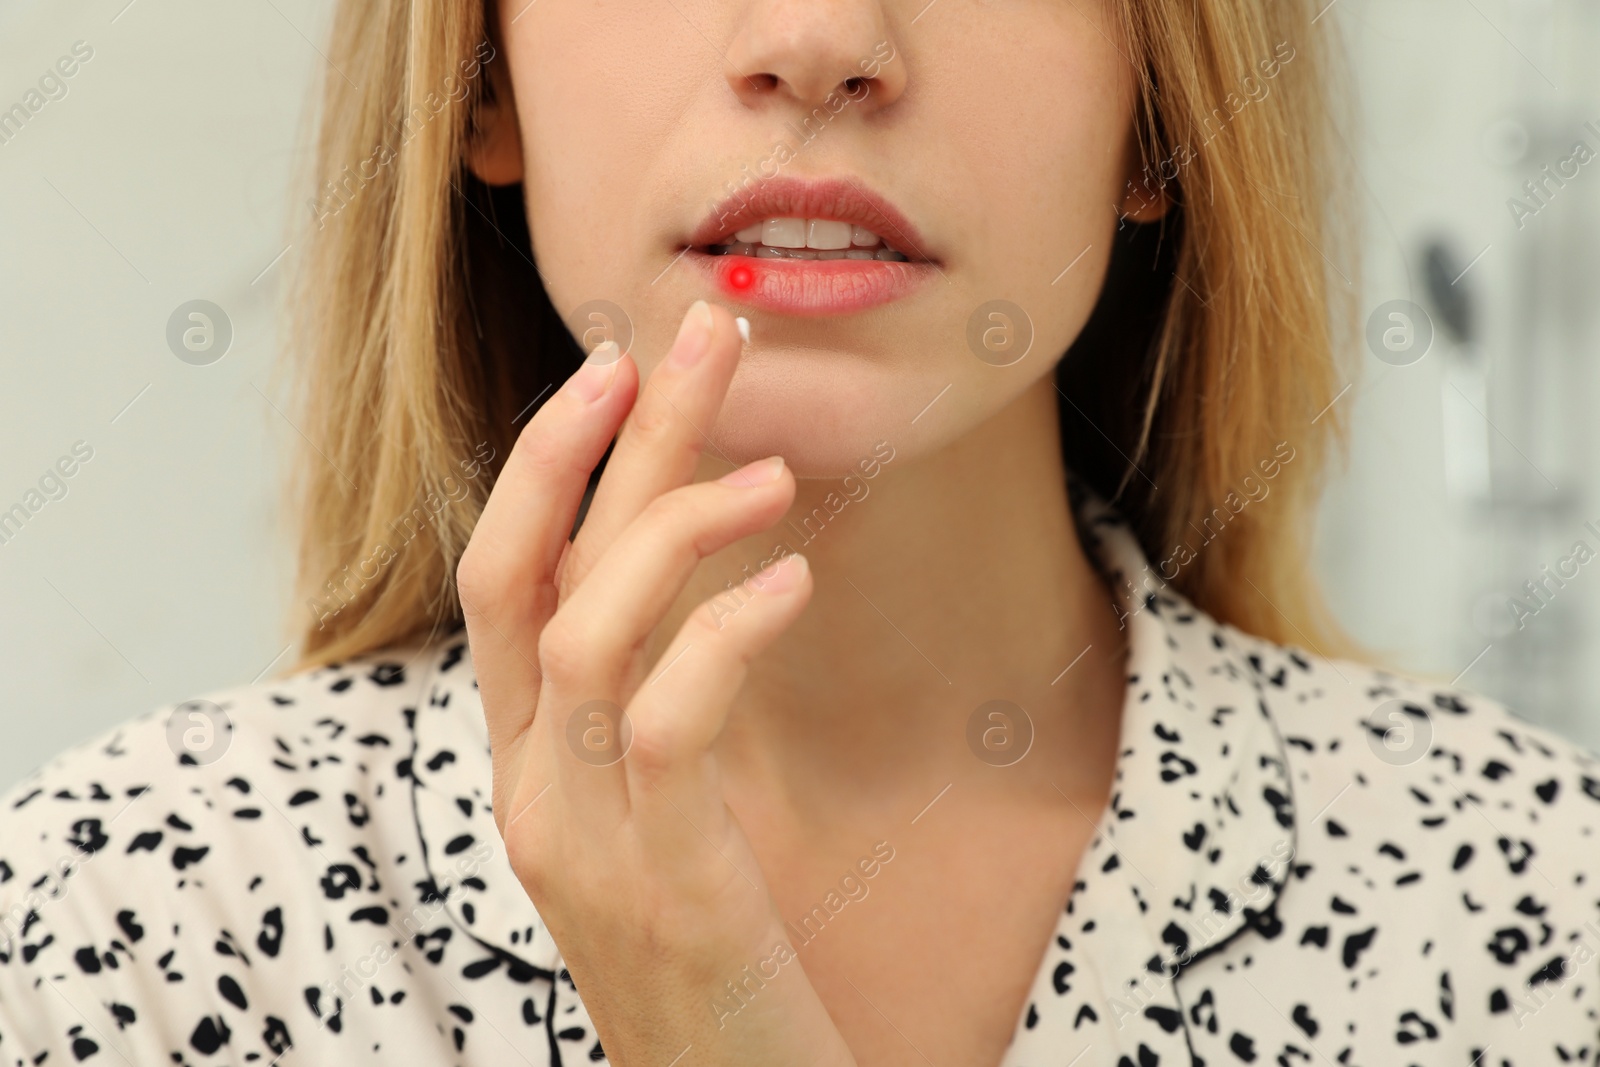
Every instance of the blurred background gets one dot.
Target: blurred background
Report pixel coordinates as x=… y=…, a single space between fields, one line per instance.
x=156 y=174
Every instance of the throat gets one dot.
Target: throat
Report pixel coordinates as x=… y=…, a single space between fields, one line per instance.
x=954 y=606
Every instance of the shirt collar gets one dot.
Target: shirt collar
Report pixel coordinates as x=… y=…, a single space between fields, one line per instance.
x=1202 y=808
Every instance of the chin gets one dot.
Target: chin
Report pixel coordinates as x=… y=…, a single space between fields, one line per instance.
x=824 y=412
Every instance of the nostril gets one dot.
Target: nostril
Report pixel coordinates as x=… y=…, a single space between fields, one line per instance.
x=853 y=86
x=763 y=83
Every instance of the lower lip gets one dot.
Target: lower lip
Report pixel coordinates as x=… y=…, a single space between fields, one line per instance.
x=812 y=286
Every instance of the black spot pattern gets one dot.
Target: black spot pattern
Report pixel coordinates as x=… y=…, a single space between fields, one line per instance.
x=1264 y=889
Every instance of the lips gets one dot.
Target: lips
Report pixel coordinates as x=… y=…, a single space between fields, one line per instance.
x=810 y=248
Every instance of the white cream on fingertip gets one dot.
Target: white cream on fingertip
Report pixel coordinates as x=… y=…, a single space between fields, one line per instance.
x=603 y=353
x=744 y=327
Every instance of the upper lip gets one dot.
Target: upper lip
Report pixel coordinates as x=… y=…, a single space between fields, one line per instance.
x=840 y=199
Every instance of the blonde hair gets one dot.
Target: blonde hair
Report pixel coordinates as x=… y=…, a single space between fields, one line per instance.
x=1211 y=349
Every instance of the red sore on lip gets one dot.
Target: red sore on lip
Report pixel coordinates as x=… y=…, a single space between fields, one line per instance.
x=739 y=278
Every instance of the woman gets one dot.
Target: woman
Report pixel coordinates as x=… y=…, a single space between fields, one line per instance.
x=848 y=726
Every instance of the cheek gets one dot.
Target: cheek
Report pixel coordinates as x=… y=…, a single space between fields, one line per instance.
x=599 y=100
x=1040 y=133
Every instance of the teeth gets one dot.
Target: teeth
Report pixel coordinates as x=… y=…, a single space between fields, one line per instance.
x=826 y=234
x=784 y=233
x=823 y=235
x=795 y=238
x=760 y=251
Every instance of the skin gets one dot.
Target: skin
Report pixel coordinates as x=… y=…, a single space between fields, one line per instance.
x=773 y=746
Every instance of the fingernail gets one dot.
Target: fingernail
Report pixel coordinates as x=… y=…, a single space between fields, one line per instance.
x=761 y=472
x=694 y=336
x=591 y=380
x=781 y=574
x=744 y=328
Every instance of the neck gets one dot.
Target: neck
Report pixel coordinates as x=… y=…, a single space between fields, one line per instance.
x=941 y=584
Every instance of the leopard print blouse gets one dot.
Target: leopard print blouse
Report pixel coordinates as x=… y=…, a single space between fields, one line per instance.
x=1304 y=861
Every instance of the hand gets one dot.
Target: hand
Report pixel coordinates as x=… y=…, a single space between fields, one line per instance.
x=636 y=864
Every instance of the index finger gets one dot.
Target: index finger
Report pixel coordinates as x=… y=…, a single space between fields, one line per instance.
x=661 y=441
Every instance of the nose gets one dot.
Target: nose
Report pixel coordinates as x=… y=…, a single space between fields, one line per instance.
x=806 y=51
